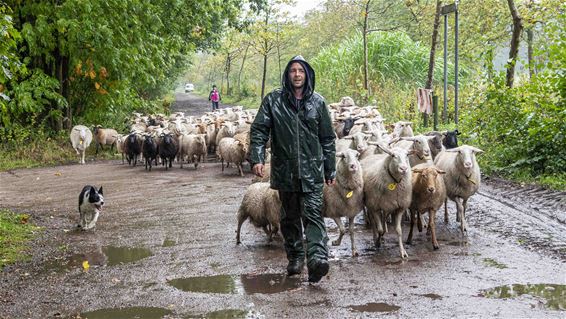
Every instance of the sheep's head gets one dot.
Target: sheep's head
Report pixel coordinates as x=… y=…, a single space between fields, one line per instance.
x=425 y=178
x=349 y=160
x=466 y=155
x=420 y=146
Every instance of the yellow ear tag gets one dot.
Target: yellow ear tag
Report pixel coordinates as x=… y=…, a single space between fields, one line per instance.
x=81 y=142
x=350 y=194
x=86 y=266
x=392 y=186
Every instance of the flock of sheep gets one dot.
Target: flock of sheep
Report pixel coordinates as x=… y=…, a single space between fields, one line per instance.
x=382 y=172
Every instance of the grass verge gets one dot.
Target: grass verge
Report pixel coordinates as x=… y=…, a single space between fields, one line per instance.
x=41 y=152
x=15 y=233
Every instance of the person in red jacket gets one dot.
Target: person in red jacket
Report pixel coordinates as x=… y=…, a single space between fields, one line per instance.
x=215 y=97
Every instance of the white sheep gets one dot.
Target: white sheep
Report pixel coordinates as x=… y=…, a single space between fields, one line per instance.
x=387 y=190
x=262 y=206
x=345 y=198
x=419 y=145
x=232 y=151
x=193 y=148
x=81 y=137
x=462 y=178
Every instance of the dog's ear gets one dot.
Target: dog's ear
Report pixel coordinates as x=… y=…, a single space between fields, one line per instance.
x=100 y=190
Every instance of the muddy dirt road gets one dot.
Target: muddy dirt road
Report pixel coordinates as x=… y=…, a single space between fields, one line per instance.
x=164 y=247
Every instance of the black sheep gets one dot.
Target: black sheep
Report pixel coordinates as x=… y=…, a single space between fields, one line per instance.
x=132 y=148
x=149 y=151
x=168 y=148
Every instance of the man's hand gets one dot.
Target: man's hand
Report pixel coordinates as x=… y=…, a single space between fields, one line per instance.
x=331 y=181
x=258 y=169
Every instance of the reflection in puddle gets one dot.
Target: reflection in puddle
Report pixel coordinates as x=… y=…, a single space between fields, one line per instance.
x=433 y=296
x=133 y=312
x=222 y=314
x=106 y=256
x=493 y=263
x=221 y=284
x=375 y=307
x=119 y=255
x=555 y=295
x=244 y=284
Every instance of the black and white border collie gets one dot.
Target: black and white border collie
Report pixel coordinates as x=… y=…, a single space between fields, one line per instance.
x=90 y=205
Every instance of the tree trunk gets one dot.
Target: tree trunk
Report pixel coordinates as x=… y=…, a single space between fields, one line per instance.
x=433 y=45
x=264 y=75
x=434 y=41
x=228 y=68
x=531 y=62
x=515 y=38
x=365 y=36
x=242 y=69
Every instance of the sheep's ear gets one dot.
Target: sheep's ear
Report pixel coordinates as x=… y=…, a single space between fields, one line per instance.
x=357 y=153
x=457 y=149
x=340 y=154
x=417 y=170
x=349 y=137
x=457 y=132
x=384 y=148
x=411 y=152
x=395 y=140
x=439 y=171
x=367 y=134
x=476 y=150
x=100 y=190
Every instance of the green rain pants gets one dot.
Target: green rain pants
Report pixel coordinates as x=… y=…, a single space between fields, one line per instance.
x=300 y=209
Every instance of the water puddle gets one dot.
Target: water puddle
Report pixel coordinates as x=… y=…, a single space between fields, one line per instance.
x=433 y=296
x=553 y=294
x=374 y=307
x=245 y=284
x=168 y=242
x=133 y=312
x=494 y=263
x=106 y=256
x=222 y=314
x=120 y=255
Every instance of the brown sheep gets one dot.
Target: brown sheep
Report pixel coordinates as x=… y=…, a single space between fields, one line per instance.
x=429 y=193
x=104 y=136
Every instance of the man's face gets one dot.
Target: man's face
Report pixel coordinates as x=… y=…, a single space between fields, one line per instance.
x=297 y=75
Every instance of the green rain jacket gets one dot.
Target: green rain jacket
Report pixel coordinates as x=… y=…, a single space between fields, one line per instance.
x=302 y=138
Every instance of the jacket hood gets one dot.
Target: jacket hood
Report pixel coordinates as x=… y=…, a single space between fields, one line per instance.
x=308 y=88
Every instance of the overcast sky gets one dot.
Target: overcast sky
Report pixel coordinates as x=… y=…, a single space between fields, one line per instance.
x=302 y=6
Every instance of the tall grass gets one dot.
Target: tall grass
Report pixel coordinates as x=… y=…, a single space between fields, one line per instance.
x=397 y=67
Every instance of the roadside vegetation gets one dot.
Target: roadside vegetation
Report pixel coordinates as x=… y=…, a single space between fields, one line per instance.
x=16 y=231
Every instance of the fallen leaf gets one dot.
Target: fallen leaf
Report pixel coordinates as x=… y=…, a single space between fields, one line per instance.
x=58 y=174
x=86 y=266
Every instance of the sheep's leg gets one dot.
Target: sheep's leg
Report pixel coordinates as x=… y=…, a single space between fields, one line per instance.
x=384 y=220
x=351 y=231
x=196 y=159
x=419 y=221
x=338 y=222
x=399 y=230
x=410 y=236
x=96 y=153
x=367 y=218
x=432 y=228
x=83 y=156
x=460 y=210
x=222 y=163
x=241 y=220
x=171 y=159
x=446 y=210
x=240 y=169
x=135 y=159
x=378 y=226
x=465 y=204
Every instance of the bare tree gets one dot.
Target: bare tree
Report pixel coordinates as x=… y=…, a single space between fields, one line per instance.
x=515 y=39
x=434 y=41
